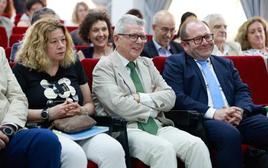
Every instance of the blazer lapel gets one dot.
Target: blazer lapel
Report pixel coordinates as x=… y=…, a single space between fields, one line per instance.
x=172 y=48
x=153 y=49
x=122 y=72
x=196 y=70
x=145 y=74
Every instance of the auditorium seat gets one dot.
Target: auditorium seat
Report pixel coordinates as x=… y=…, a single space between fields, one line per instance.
x=17 y=18
x=71 y=28
x=15 y=38
x=253 y=72
x=8 y=51
x=149 y=37
x=19 y=30
x=81 y=47
x=4 y=38
x=91 y=164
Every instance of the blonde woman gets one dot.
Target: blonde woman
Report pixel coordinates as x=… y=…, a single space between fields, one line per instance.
x=79 y=13
x=253 y=37
x=48 y=71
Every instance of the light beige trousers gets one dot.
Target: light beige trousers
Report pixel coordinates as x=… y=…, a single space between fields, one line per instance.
x=162 y=150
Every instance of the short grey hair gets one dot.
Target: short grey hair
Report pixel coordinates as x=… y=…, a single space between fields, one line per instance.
x=37 y=15
x=127 y=19
x=212 y=18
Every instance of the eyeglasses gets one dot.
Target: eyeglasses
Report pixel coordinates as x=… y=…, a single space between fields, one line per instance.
x=166 y=30
x=198 y=40
x=134 y=37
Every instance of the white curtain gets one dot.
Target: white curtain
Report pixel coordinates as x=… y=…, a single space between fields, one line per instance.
x=255 y=8
x=150 y=7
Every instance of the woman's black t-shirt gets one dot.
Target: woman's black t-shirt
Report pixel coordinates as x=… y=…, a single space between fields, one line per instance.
x=41 y=89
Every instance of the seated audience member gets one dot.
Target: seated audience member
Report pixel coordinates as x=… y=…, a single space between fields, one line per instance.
x=21 y=147
x=4 y=17
x=211 y=85
x=163 y=33
x=7 y=10
x=218 y=28
x=253 y=37
x=96 y=29
x=184 y=18
x=135 y=12
x=48 y=71
x=44 y=2
x=80 y=12
x=130 y=86
x=39 y=14
x=31 y=7
x=20 y=6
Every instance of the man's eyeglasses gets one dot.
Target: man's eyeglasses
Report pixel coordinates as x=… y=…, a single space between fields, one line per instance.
x=134 y=37
x=198 y=40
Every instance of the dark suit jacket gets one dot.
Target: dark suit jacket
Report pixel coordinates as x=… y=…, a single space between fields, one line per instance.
x=150 y=50
x=184 y=76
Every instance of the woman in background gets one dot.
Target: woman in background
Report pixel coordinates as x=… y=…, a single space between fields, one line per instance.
x=48 y=72
x=253 y=37
x=96 y=29
x=6 y=11
x=79 y=13
x=31 y=7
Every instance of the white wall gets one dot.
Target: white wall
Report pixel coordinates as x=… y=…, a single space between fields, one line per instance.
x=120 y=7
x=64 y=8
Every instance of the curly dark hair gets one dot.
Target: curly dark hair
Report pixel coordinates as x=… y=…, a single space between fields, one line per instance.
x=92 y=17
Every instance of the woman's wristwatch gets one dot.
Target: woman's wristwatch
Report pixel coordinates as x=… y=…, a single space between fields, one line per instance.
x=8 y=131
x=45 y=118
x=45 y=115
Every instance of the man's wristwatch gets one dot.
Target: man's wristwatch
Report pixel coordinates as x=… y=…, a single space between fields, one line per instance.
x=7 y=131
x=45 y=115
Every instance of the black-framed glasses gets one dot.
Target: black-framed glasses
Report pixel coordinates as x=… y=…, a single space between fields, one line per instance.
x=134 y=37
x=199 y=39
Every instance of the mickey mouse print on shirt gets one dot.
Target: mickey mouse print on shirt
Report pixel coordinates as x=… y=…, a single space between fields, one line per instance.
x=59 y=89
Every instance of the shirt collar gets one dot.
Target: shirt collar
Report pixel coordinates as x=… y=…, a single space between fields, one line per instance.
x=158 y=46
x=124 y=60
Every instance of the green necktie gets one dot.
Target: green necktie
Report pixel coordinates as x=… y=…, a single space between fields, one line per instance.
x=151 y=126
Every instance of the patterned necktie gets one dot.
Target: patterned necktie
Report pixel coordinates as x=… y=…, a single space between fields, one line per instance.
x=213 y=85
x=151 y=126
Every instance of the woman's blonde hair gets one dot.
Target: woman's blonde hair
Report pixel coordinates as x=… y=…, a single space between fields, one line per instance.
x=242 y=35
x=33 y=51
x=75 y=18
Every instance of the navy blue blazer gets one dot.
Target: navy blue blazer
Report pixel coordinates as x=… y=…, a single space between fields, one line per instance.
x=150 y=50
x=184 y=76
